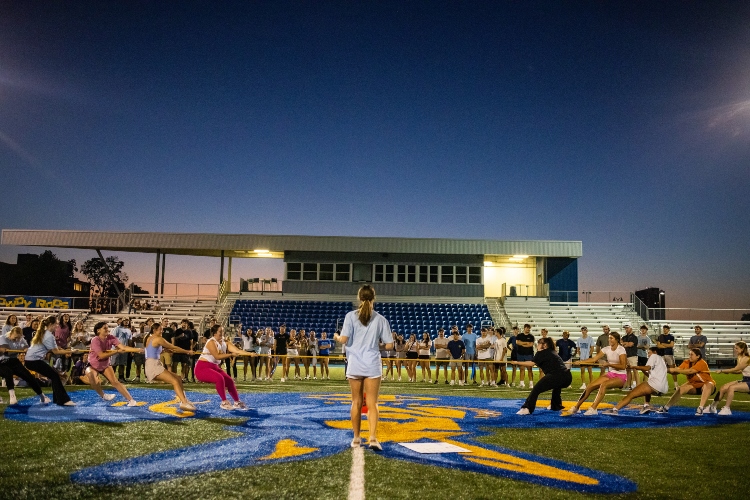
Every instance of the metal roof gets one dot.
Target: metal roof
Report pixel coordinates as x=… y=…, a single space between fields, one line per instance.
x=244 y=245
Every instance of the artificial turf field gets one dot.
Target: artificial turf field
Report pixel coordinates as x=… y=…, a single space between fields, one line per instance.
x=700 y=458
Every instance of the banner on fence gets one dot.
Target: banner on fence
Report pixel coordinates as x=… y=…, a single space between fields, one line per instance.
x=27 y=302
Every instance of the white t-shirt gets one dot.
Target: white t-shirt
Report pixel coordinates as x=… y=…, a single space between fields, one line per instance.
x=500 y=345
x=613 y=357
x=362 y=353
x=441 y=348
x=422 y=350
x=484 y=345
x=657 y=376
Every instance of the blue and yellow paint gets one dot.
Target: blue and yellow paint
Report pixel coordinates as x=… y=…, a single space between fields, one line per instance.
x=291 y=426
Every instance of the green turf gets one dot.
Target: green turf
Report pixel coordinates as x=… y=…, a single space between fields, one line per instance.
x=688 y=462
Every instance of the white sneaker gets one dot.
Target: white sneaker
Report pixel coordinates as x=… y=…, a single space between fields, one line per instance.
x=187 y=407
x=399 y=378
x=676 y=387
x=226 y=405
x=460 y=382
x=711 y=408
x=523 y=411
x=45 y=400
x=725 y=411
x=1 y=400
x=132 y=403
x=611 y=411
x=239 y=405
x=315 y=378
x=522 y=384
x=549 y=407
x=12 y=400
x=583 y=387
x=531 y=385
x=108 y=397
x=453 y=382
x=282 y=379
x=307 y=378
x=493 y=384
x=591 y=412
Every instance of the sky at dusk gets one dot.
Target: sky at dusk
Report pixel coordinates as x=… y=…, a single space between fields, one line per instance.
x=625 y=125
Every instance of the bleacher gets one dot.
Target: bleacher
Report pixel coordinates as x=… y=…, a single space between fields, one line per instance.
x=416 y=317
x=172 y=308
x=721 y=335
x=308 y=314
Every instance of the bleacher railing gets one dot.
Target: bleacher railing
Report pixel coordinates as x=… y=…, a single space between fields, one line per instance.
x=695 y=314
x=206 y=290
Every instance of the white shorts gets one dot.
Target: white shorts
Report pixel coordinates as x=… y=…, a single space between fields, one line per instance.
x=633 y=361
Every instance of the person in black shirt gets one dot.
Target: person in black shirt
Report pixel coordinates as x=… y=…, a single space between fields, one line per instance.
x=556 y=376
x=525 y=352
x=566 y=348
x=30 y=329
x=281 y=340
x=183 y=338
x=167 y=334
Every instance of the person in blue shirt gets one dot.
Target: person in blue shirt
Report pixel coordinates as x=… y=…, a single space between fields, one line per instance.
x=362 y=333
x=470 y=341
x=324 y=350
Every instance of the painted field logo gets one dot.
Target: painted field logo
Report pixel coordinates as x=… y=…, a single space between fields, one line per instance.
x=292 y=426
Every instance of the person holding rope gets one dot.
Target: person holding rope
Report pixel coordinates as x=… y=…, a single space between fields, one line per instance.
x=615 y=376
x=655 y=384
x=207 y=368
x=727 y=390
x=42 y=344
x=154 y=344
x=698 y=381
x=11 y=345
x=556 y=376
x=103 y=347
x=362 y=331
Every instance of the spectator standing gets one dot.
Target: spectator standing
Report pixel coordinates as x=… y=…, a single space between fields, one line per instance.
x=630 y=343
x=167 y=333
x=442 y=355
x=513 y=353
x=501 y=351
x=62 y=338
x=601 y=342
x=665 y=343
x=698 y=341
x=457 y=350
x=281 y=340
x=470 y=342
x=424 y=356
x=525 y=350
x=583 y=349
x=644 y=343
x=123 y=335
x=566 y=348
x=29 y=330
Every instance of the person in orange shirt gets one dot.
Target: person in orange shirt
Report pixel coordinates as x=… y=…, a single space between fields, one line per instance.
x=699 y=381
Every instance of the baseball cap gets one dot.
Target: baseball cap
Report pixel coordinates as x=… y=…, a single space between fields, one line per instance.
x=627 y=325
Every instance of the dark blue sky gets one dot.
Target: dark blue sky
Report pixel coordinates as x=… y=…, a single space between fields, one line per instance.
x=622 y=124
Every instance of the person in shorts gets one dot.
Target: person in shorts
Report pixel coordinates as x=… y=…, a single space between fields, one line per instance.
x=470 y=339
x=442 y=355
x=644 y=343
x=119 y=361
x=665 y=343
x=525 y=353
x=602 y=341
x=630 y=343
x=167 y=334
x=501 y=351
x=583 y=349
x=699 y=381
x=513 y=354
x=654 y=385
x=457 y=351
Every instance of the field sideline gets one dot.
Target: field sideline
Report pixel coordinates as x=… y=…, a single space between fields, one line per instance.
x=697 y=459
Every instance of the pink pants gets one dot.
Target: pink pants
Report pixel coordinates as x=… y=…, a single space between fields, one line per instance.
x=212 y=374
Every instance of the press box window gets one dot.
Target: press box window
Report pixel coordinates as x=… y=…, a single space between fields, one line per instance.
x=379 y=272
x=342 y=272
x=309 y=272
x=460 y=274
x=475 y=275
x=293 y=271
x=401 y=273
x=446 y=275
x=326 y=272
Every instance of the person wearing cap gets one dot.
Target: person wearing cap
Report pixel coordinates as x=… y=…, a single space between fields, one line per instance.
x=665 y=343
x=583 y=349
x=630 y=343
x=644 y=343
x=601 y=342
x=698 y=341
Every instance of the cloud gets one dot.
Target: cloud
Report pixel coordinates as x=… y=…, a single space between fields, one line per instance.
x=732 y=119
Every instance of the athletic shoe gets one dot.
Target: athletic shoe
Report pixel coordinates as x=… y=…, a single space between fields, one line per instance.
x=676 y=387
x=399 y=378
x=725 y=411
x=549 y=407
x=12 y=400
x=356 y=443
x=474 y=382
x=122 y=380
x=523 y=411
x=583 y=387
x=187 y=407
x=45 y=400
x=108 y=397
x=435 y=381
x=711 y=408
x=308 y=377
x=446 y=381
x=239 y=405
x=591 y=412
x=572 y=411
x=283 y=379
x=522 y=385
x=69 y=403
x=132 y=403
x=226 y=405
x=493 y=384
x=699 y=411
x=531 y=385
x=662 y=410
x=453 y=382
x=1 y=401
x=375 y=446
x=645 y=409
x=633 y=385
x=611 y=411
x=461 y=382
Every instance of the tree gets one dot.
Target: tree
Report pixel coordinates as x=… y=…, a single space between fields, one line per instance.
x=102 y=283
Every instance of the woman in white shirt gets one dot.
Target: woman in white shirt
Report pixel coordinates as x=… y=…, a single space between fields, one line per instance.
x=727 y=390
x=249 y=344
x=656 y=384
x=362 y=332
x=207 y=368
x=614 y=378
x=484 y=355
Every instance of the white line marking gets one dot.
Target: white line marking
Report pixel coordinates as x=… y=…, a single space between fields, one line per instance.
x=357 y=476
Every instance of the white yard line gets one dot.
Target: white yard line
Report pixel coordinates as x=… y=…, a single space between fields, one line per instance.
x=357 y=476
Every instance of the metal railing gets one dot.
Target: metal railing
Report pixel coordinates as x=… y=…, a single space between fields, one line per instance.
x=180 y=289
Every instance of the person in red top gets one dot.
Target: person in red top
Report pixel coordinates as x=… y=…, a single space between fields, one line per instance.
x=699 y=381
x=104 y=346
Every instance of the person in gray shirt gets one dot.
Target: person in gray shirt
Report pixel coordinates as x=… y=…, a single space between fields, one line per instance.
x=698 y=341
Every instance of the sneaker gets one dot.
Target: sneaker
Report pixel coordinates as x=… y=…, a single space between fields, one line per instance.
x=493 y=384
x=461 y=382
x=475 y=382
x=646 y=409
x=699 y=411
x=46 y=400
x=583 y=387
x=523 y=411
x=531 y=385
x=308 y=377
x=132 y=403
x=226 y=405
x=282 y=379
x=108 y=397
x=399 y=378
x=1 y=401
x=591 y=412
x=435 y=381
x=711 y=409
x=316 y=378
x=187 y=406
x=122 y=380
x=453 y=382
x=12 y=400
x=446 y=381
x=633 y=385
x=676 y=387
x=69 y=403
x=375 y=446
x=662 y=410
x=356 y=443
x=725 y=411
x=239 y=405
x=522 y=385
x=611 y=411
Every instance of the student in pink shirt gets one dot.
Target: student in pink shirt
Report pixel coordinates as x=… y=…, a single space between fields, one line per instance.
x=104 y=346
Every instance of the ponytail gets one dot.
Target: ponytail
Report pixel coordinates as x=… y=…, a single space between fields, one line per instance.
x=43 y=326
x=154 y=327
x=366 y=297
